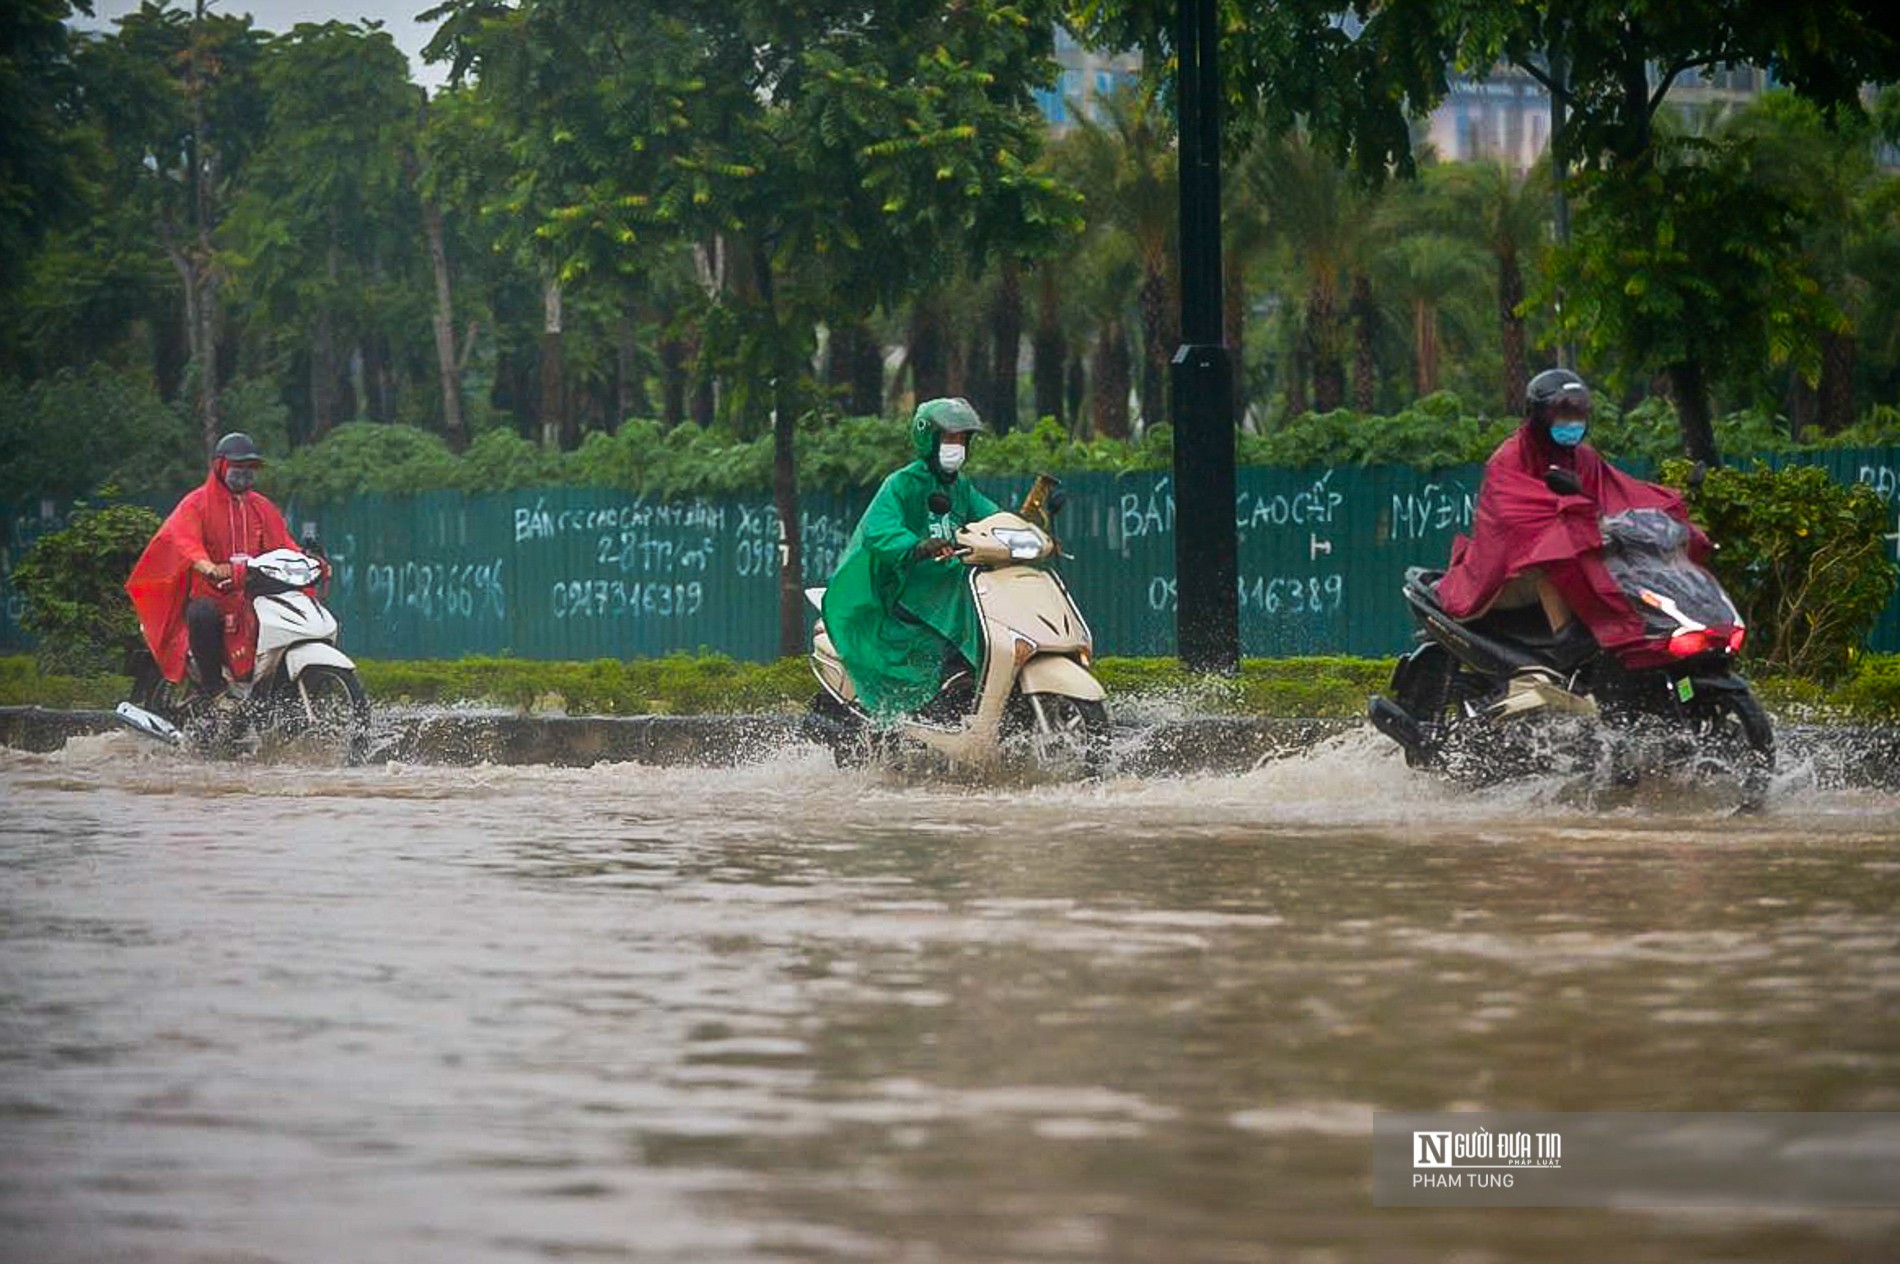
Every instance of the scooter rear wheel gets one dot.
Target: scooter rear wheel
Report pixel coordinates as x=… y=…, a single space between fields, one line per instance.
x=840 y=730
x=152 y=692
x=1739 y=741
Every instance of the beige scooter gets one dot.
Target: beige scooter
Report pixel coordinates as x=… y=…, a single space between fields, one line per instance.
x=1035 y=688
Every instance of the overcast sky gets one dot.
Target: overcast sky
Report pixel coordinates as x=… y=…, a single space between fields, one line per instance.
x=397 y=16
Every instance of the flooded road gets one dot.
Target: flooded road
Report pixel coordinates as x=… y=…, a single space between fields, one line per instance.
x=785 y=1013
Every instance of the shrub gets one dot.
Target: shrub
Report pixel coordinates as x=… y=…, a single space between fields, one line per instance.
x=1873 y=692
x=22 y=684
x=1432 y=433
x=1047 y=446
x=73 y=581
x=500 y=460
x=1803 y=556
x=362 y=456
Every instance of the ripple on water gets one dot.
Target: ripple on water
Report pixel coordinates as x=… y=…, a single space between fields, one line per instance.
x=782 y=1012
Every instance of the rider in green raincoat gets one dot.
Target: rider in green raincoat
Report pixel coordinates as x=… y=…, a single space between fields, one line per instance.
x=898 y=601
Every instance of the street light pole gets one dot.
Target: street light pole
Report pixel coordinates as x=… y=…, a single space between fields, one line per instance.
x=1206 y=570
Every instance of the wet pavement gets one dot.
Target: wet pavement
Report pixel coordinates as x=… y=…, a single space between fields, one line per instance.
x=779 y=1012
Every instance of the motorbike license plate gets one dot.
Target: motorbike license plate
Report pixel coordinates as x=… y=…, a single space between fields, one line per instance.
x=1685 y=689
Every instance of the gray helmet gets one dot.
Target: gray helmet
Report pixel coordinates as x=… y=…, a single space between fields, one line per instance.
x=238 y=449
x=1554 y=387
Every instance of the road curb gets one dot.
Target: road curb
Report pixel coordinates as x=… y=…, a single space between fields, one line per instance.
x=1860 y=756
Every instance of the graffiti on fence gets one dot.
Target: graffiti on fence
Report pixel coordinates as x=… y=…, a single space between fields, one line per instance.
x=1885 y=479
x=1274 y=595
x=1432 y=509
x=437 y=590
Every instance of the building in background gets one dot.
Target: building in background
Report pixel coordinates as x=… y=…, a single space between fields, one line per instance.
x=1505 y=116
x=1087 y=79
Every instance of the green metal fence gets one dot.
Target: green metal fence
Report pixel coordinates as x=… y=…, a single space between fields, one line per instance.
x=575 y=573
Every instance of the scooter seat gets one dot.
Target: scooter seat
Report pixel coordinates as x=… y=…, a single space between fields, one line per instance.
x=1520 y=635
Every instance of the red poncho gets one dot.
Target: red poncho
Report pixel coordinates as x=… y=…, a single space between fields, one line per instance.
x=212 y=524
x=1521 y=523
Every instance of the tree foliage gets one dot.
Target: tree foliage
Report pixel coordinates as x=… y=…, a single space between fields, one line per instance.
x=1804 y=557
x=1692 y=262
x=78 y=430
x=662 y=210
x=73 y=580
x=322 y=235
x=43 y=164
x=1353 y=74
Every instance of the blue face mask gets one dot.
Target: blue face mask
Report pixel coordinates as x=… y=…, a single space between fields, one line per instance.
x=1568 y=433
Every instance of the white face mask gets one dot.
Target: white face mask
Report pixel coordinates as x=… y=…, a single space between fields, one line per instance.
x=950 y=459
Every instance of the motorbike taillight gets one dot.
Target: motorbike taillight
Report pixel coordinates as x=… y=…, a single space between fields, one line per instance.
x=1736 y=638
x=1689 y=644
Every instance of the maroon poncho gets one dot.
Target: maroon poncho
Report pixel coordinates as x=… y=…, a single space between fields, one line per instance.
x=1521 y=523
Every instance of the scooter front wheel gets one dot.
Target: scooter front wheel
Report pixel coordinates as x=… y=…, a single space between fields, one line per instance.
x=1063 y=734
x=326 y=707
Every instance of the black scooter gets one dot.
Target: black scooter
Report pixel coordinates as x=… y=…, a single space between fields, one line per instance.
x=1501 y=696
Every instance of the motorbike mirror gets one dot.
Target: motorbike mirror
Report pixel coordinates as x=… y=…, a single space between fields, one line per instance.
x=1057 y=499
x=1698 y=472
x=1562 y=481
x=311 y=543
x=939 y=503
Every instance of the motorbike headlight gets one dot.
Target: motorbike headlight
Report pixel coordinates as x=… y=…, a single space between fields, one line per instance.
x=1022 y=544
x=298 y=572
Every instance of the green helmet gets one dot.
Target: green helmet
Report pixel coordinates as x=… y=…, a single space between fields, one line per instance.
x=937 y=417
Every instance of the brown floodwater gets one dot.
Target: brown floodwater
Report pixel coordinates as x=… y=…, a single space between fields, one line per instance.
x=784 y=1013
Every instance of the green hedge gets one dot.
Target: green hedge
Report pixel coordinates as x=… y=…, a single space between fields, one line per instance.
x=685 y=685
x=852 y=452
x=23 y=684
x=679 y=684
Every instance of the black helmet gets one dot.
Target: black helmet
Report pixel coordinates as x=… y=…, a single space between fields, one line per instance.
x=1554 y=387
x=237 y=448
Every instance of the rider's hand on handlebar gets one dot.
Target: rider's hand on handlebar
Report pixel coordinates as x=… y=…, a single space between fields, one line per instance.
x=934 y=548
x=219 y=573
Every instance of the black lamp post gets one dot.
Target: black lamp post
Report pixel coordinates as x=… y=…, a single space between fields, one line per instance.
x=1206 y=567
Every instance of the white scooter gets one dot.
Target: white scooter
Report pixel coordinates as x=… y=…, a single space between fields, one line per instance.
x=1035 y=697
x=301 y=686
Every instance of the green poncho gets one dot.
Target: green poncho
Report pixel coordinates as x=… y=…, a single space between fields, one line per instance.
x=896 y=664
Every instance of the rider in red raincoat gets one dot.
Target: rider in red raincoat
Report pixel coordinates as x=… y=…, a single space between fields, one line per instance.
x=182 y=585
x=1531 y=543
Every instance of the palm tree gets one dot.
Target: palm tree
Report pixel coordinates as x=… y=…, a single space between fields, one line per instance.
x=1246 y=243
x=1509 y=214
x=1320 y=219
x=1125 y=163
x=1426 y=272
x=1105 y=283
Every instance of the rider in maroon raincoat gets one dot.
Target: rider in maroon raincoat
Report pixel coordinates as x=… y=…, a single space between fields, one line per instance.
x=1531 y=543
